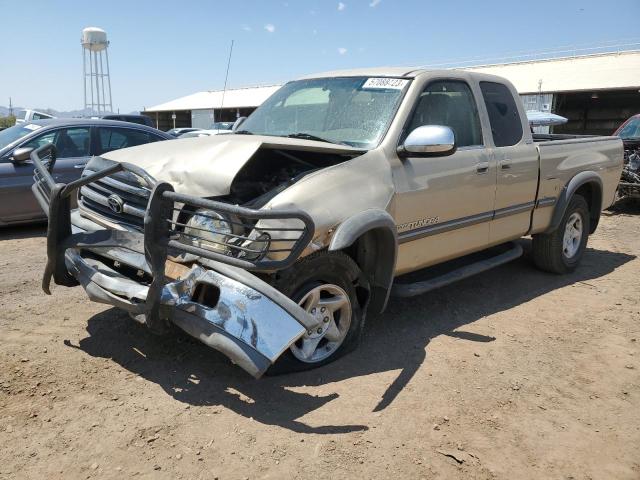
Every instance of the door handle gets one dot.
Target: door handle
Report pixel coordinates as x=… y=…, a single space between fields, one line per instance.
x=482 y=167
x=505 y=164
x=80 y=165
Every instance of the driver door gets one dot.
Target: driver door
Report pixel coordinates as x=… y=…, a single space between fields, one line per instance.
x=444 y=203
x=17 y=202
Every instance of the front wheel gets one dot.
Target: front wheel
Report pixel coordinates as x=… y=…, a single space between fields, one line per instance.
x=326 y=285
x=561 y=250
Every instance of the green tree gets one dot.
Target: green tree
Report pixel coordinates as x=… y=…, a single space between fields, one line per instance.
x=6 y=122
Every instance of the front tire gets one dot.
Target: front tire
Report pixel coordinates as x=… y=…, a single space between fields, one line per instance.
x=561 y=250
x=326 y=285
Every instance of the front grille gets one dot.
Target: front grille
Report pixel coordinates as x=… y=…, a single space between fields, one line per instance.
x=94 y=197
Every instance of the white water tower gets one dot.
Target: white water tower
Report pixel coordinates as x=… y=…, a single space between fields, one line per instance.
x=97 y=83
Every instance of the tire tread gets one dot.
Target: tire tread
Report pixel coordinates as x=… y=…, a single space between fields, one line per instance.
x=547 y=247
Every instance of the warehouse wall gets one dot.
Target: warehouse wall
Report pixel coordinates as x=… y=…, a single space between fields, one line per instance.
x=165 y=122
x=595 y=113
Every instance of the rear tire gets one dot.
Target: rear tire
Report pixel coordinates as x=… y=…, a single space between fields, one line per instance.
x=561 y=250
x=328 y=281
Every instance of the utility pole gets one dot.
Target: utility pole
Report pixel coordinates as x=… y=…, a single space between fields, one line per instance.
x=10 y=108
x=226 y=77
x=539 y=99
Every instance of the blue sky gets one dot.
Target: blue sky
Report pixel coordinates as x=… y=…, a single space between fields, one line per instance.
x=161 y=49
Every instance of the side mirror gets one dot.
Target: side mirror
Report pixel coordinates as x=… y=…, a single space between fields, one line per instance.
x=22 y=154
x=429 y=141
x=237 y=123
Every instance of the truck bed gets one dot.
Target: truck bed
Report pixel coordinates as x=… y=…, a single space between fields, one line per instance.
x=547 y=137
x=564 y=156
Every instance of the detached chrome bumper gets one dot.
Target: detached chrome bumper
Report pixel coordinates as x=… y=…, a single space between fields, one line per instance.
x=251 y=323
x=223 y=305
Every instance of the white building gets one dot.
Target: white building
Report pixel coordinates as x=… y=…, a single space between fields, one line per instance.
x=596 y=92
x=201 y=109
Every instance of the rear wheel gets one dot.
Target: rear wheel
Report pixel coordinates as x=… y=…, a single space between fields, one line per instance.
x=561 y=250
x=326 y=285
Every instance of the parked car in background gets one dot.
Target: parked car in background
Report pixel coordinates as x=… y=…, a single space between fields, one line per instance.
x=205 y=133
x=222 y=126
x=139 y=119
x=176 y=132
x=544 y=119
x=629 y=132
x=76 y=140
x=24 y=116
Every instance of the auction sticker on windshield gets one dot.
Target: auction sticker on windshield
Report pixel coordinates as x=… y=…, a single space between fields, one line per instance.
x=33 y=127
x=385 y=83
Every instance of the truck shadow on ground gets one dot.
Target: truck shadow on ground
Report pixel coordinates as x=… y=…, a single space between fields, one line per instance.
x=626 y=206
x=397 y=340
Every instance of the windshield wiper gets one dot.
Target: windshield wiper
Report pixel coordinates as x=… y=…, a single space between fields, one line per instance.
x=243 y=132
x=308 y=136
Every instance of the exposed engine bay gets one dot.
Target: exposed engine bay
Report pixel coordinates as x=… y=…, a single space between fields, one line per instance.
x=266 y=174
x=271 y=171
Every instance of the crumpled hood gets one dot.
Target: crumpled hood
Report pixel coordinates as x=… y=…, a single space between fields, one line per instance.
x=206 y=166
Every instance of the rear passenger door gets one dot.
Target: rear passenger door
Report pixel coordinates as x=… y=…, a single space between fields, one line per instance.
x=516 y=157
x=115 y=138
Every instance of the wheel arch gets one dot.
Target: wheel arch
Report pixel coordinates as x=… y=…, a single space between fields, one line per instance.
x=587 y=184
x=370 y=238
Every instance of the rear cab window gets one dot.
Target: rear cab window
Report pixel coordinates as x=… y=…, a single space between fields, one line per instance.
x=506 y=125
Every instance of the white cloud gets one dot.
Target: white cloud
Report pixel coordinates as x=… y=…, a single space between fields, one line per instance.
x=246 y=27
x=341 y=6
x=342 y=51
x=374 y=3
x=270 y=27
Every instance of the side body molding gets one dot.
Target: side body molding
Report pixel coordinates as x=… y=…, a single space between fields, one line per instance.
x=582 y=178
x=375 y=235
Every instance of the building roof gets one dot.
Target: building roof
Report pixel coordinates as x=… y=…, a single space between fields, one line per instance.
x=606 y=71
x=602 y=71
x=233 y=98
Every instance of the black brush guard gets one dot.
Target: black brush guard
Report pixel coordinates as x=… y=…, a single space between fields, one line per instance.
x=160 y=235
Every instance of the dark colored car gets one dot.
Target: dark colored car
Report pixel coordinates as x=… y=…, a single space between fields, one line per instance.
x=76 y=141
x=139 y=119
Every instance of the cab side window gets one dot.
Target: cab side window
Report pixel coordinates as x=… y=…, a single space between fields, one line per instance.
x=69 y=142
x=506 y=126
x=449 y=103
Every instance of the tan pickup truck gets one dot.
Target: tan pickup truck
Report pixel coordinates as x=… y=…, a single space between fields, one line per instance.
x=271 y=244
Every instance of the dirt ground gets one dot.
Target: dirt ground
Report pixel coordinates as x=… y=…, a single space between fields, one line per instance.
x=513 y=374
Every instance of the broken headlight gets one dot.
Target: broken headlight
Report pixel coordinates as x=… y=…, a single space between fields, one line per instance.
x=210 y=230
x=256 y=248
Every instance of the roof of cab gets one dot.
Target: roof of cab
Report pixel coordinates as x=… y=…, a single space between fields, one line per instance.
x=407 y=72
